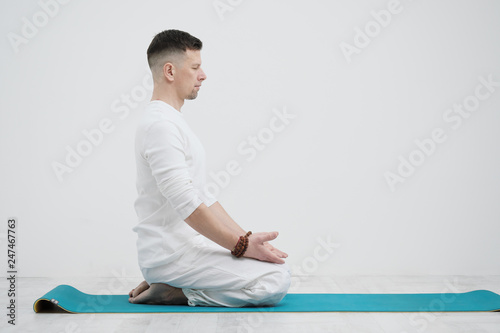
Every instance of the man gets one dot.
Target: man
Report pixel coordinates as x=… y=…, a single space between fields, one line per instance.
x=185 y=237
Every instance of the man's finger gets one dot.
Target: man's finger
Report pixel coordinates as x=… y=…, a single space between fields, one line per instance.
x=277 y=260
x=274 y=258
x=280 y=254
x=269 y=236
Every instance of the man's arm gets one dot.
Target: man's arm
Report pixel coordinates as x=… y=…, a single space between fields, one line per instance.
x=221 y=214
x=206 y=223
x=226 y=232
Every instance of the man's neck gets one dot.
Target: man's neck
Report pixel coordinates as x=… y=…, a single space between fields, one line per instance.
x=173 y=101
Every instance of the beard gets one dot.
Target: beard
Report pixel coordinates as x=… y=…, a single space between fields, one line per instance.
x=192 y=95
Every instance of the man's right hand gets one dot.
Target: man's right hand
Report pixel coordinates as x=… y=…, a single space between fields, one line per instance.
x=259 y=249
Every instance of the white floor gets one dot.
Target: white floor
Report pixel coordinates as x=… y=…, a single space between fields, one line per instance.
x=29 y=289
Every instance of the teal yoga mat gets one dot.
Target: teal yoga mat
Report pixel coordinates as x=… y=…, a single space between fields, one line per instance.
x=65 y=298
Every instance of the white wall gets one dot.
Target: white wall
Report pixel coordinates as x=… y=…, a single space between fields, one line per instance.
x=322 y=177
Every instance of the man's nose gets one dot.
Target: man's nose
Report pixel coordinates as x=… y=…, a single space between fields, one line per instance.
x=202 y=76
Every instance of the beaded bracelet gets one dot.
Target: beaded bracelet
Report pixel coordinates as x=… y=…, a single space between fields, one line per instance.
x=241 y=246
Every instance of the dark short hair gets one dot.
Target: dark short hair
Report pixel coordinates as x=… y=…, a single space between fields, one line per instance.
x=171 y=42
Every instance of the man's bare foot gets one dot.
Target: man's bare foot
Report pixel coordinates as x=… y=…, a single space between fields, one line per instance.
x=139 y=289
x=160 y=294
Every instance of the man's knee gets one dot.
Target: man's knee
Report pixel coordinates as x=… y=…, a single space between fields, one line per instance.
x=284 y=280
x=276 y=285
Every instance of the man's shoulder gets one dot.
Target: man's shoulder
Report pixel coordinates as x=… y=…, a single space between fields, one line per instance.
x=154 y=117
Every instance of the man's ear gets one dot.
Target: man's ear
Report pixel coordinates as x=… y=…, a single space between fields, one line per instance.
x=169 y=71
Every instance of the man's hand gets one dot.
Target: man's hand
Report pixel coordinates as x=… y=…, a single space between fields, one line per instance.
x=260 y=249
x=217 y=226
x=279 y=253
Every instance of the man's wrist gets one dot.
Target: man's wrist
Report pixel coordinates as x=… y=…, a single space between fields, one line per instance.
x=241 y=246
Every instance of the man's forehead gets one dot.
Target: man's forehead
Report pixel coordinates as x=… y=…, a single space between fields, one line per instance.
x=193 y=55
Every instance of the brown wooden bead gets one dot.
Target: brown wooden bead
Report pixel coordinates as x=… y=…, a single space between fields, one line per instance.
x=241 y=246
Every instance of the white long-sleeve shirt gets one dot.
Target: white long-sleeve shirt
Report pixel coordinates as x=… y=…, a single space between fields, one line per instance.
x=171 y=180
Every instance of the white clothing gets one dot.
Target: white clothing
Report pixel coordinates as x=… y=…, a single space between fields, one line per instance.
x=210 y=276
x=171 y=185
x=170 y=162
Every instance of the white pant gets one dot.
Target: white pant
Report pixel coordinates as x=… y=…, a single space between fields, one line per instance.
x=210 y=276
